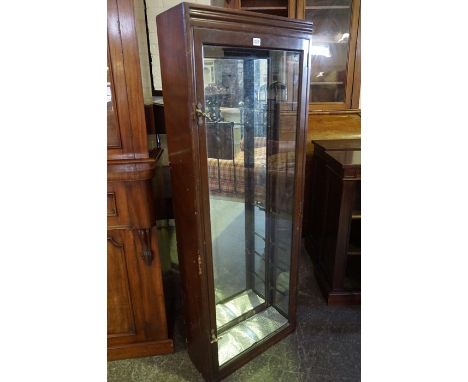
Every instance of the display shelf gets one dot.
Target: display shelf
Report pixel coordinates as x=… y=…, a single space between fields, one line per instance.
x=327 y=3
x=356 y=215
x=232 y=343
x=329 y=39
x=271 y=7
x=316 y=83
x=263 y=8
x=326 y=7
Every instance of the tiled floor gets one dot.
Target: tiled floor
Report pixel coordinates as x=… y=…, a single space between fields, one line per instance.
x=325 y=347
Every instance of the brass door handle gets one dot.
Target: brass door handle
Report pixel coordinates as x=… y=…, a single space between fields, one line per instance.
x=201 y=114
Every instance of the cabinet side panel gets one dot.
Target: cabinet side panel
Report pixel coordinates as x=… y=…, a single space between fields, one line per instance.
x=176 y=72
x=325 y=126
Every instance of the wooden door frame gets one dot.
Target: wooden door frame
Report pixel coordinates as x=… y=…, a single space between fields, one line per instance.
x=204 y=35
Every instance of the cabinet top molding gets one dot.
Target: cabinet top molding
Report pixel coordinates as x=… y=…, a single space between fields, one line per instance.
x=218 y=14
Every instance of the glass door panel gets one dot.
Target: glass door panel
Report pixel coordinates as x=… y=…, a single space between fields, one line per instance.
x=251 y=110
x=330 y=48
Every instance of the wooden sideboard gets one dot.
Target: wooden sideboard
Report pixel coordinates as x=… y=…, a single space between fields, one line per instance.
x=334 y=237
x=136 y=313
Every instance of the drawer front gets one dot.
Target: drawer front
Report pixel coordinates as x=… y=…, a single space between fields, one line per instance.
x=117 y=206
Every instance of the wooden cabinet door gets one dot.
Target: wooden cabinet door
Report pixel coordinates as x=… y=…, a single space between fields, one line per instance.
x=135 y=298
x=121 y=294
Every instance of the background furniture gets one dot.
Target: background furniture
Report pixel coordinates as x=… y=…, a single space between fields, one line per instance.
x=237 y=250
x=334 y=242
x=136 y=316
x=334 y=108
x=335 y=75
x=285 y=8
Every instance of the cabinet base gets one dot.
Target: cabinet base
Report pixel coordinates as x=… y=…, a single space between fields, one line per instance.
x=344 y=298
x=334 y=297
x=143 y=349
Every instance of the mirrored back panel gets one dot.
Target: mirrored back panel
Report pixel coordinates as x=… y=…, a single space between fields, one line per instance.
x=251 y=106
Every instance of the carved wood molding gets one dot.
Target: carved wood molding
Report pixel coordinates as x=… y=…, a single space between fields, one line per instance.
x=113 y=241
x=226 y=15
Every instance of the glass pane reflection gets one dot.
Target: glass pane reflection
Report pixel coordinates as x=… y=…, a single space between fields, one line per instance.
x=113 y=136
x=330 y=47
x=251 y=101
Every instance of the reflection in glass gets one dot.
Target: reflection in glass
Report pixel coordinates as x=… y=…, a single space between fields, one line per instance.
x=251 y=106
x=330 y=47
x=113 y=136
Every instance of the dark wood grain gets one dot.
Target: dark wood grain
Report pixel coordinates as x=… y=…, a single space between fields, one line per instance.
x=356 y=100
x=335 y=207
x=149 y=119
x=337 y=145
x=119 y=305
x=144 y=349
x=177 y=82
x=327 y=126
x=122 y=129
x=113 y=129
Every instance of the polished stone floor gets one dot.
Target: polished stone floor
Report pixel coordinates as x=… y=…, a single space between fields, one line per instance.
x=325 y=347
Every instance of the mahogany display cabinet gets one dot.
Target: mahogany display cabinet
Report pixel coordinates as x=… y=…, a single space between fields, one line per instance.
x=235 y=87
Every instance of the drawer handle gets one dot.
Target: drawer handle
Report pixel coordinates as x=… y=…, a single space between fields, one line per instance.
x=144 y=234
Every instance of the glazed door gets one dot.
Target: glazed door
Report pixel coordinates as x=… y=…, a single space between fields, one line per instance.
x=333 y=50
x=249 y=113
